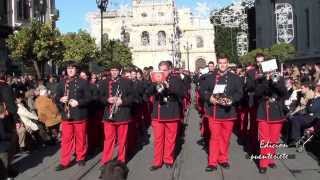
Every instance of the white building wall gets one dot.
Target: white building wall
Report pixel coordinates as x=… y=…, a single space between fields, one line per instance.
x=155 y=17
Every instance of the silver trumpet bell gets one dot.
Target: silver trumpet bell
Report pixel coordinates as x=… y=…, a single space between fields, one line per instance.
x=160 y=87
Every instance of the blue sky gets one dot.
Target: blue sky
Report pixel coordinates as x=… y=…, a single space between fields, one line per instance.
x=73 y=12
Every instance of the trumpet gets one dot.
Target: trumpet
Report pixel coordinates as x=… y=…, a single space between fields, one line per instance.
x=66 y=104
x=160 y=87
x=115 y=107
x=275 y=77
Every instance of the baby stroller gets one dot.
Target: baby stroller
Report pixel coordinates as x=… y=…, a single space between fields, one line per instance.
x=308 y=136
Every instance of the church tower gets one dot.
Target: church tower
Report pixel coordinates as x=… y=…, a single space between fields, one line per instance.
x=152 y=23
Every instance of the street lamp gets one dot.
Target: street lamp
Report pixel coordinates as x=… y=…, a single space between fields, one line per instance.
x=187 y=47
x=102 y=5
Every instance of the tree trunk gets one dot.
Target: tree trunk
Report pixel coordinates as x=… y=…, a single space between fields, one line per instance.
x=36 y=67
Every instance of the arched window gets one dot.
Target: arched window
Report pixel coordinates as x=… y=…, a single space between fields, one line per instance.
x=199 y=41
x=162 y=38
x=144 y=14
x=145 y=38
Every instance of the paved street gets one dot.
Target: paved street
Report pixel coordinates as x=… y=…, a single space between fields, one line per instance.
x=190 y=163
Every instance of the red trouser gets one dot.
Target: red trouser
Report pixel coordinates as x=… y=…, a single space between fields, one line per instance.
x=269 y=132
x=111 y=132
x=73 y=139
x=220 y=133
x=165 y=135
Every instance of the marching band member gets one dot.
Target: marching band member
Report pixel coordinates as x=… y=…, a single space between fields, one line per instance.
x=166 y=116
x=95 y=110
x=72 y=97
x=270 y=91
x=116 y=95
x=253 y=73
x=221 y=112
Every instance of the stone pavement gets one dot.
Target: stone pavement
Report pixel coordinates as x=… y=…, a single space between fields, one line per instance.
x=189 y=165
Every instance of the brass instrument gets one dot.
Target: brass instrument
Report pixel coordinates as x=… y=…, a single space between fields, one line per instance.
x=275 y=76
x=115 y=107
x=66 y=104
x=160 y=87
x=222 y=99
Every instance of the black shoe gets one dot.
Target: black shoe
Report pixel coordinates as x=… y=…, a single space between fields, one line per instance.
x=201 y=142
x=225 y=165
x=211 y=168
x=61 y=167
x=262 y=170
x=12 y=172
x=24 y=150
x=273 y=165
x=169 y=166
x=154 y=168
x=81 y=163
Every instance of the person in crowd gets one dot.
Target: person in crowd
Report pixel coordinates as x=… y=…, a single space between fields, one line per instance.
x=270 y=93
x=116 y=95
x=95 y=109
x=166 y=115
x=72 y=98
x=221 y=116
x=48 y=113
x=8 y=134
x=84 y=75
x=52 y=86
x=30 y=96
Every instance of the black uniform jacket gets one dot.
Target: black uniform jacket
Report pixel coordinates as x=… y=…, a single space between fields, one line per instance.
x=167 y=105
x=78 y=90
x=7 y=98
x=250 y=85
x=270 y=99
x=139 y=88
x=233 y=90
x=108 y=88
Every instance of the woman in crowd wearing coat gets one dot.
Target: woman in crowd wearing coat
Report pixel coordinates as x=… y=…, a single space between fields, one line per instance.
x=48 y=112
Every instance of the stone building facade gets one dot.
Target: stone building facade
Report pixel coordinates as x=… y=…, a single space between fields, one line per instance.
x=156 y=30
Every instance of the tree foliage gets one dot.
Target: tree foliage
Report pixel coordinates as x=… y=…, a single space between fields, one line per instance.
x=282 y=52
x=36 y=43
x=226 y=42
x=80 y=47
x=115 y=52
